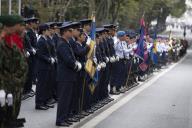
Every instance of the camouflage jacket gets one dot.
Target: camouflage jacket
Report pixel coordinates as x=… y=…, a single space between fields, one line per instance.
x=13 y=67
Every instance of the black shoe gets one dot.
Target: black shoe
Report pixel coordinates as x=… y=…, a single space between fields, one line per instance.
x=63 y=124
x=122 y=91
x=51 y=101
x=50 y=105
x=31 y=93
x=110 y=99
x=69 y=123
x=24 y=96
x=72 y=120
x=84 y=113
x=79 y=116
x=98 y=106
x=94 y=108
x=41 y=107
x=89 y=111
x=114 y=93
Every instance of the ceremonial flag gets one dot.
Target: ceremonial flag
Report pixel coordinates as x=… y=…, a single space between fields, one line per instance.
x=140 y=48
x=154 y=55
x=90 y=67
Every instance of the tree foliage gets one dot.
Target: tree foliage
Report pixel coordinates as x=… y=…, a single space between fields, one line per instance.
x=124 y=12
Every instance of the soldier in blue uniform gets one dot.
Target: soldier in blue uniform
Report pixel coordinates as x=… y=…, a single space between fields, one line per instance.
x=56 y=36
x=52 y=44
x=87 y=96
x=98 y=60
x=111 y=33
x=80 y=52
x=30 y=46
x=44 y=64
x=104 y=46
x=67 y=70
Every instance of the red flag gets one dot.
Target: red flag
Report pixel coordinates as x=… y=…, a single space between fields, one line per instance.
x=143 y=66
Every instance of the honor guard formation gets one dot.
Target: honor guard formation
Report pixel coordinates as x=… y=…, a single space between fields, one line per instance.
x=75 y=65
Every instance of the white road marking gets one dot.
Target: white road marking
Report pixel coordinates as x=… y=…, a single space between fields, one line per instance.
x=96 y=120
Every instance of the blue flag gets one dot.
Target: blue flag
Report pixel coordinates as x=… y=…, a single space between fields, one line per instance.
x=140 y=47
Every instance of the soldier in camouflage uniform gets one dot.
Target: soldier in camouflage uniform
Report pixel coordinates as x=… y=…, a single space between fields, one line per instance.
x=12 y=69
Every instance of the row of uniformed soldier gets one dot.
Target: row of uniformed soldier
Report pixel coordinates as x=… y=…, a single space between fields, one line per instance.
x=57 y=54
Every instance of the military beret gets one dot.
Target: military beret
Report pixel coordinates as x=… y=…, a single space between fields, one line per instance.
x=11 y=20
x=121 y=33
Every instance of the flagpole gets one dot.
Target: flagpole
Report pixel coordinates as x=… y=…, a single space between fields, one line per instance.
x=0 y=7
x=10 y=2
x=19 y=7
x=129 y=72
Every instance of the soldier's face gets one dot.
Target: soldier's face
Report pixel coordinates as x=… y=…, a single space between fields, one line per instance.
x=124 y=38
x=127 y=39
x=51 y=31
x=17 y=28
x=47 y=33
x=88 y=27
x=57 y=30
x=82 y=38
x=75 y=33
x=68 y=34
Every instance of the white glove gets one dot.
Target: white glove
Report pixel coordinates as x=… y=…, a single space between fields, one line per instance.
x=137 y=60
x=9 y=99
x=27 y=54
x=2 y=98
x=160 y=54
x=117 y=58
x=98 y=67
x=103 y=64
x=56 y=59
x=107 y=59
x=134 y=60
x=95 y=60
x=132 y=53
x=79 y=66
x=111 y=59
x=52 y=60
x=173 y=50
x=34 y=51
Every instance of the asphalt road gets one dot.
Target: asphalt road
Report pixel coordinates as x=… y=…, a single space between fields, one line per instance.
x=167 y=103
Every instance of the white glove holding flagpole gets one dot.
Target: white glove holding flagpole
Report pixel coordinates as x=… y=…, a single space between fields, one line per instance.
x=2 y=98
x=79 y=66
x=9 y=99
x=98 y=67
x=34 y=51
